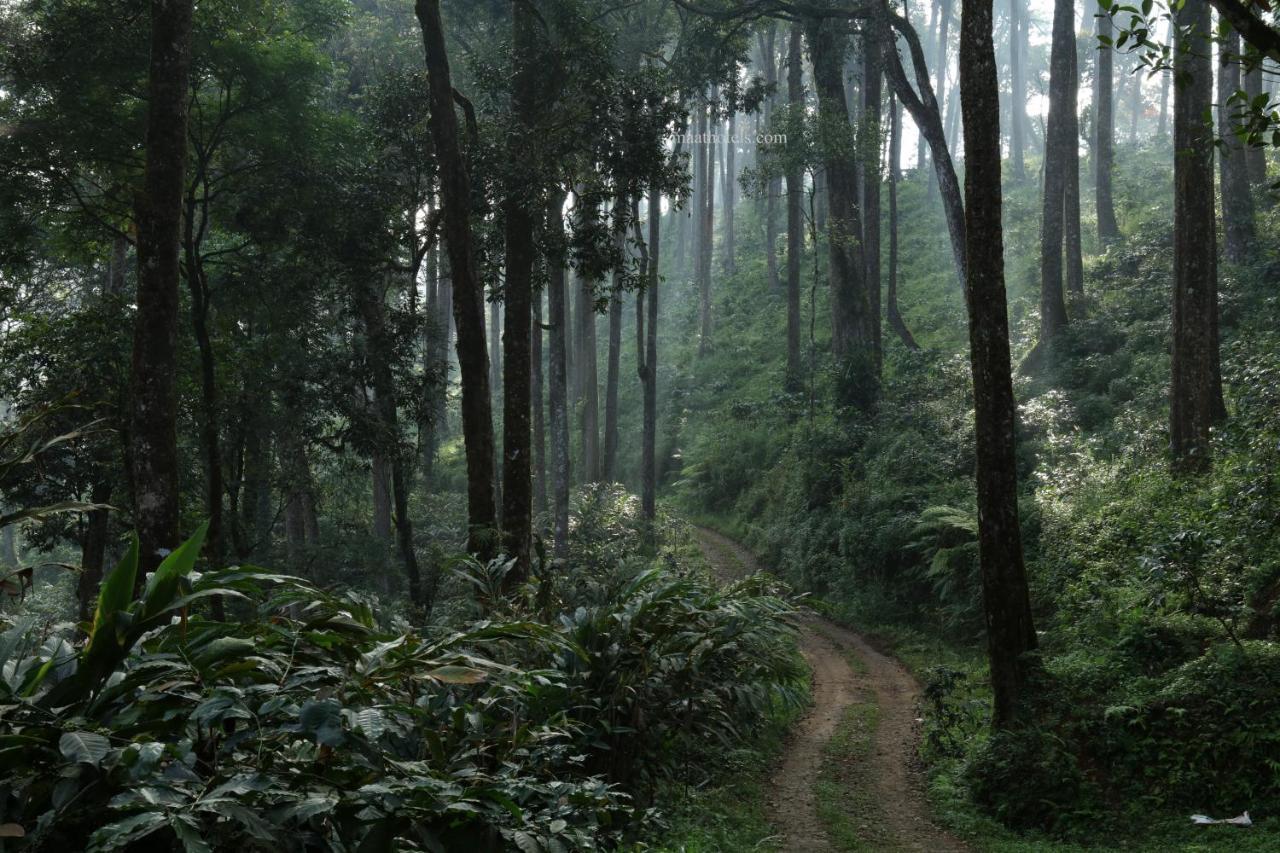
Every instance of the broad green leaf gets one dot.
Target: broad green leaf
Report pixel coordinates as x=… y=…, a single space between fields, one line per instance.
x=84 y=747
x=162 y=587
x=456 y=675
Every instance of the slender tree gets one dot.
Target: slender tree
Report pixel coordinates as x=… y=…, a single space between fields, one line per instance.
x=1104 y=134
x=1195 y=273
x=1255 y=156
x=1018 y=89
x=795 y=214
x=872 y=92
x=153 y=430
x=587 y=373
x=852 y=322
x=468 y=295
x=706 y=240
x=609 y=466
x=1238 y=232
x=892 y=311
x=520 y=209
x=558 y=320
x=1005 y=596
x=538 y=392
x=729 y=195
x=648 y=363
x=1060 y=135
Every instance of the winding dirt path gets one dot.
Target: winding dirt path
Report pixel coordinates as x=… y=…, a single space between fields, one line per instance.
x=889 y=778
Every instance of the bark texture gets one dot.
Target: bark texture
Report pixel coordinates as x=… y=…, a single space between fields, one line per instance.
x=1238 y=232
x=1104 y=136
x=158 y=209
x=1059 y=137
x=1195 y=273
x=1006 y=600
x=468 y=295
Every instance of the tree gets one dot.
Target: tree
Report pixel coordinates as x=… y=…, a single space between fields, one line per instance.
x=1195 y=271
x=706 y=232
x=153 y=427
x=795 y=210
x=1104 y=134
x=869 y=142
x=1238 y=234
x=892 y=311
x=852 y=321
x=519 y=209
x=1018 y=89
x=647 y=363
x=1060 y=139
x=558 y=392
x=1006 y=600
x=468 y=296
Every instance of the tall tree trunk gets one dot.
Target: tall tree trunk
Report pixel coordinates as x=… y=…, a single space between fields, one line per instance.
x=1104 y=135
x=380 y=468
x=1135 y=103
x=1164 y=98
x=795 y=217
x=468 y=295
x=379 y=347
x=706 y=243
x=587 y=370
x=942 y=47
x=539 y=411
x=517 y=437
x=1071 y=235
x=1005 y=596
x=730 y=191
x=1057 y=163
x=93 y=550
x=852 y=321
x=1018 y=90
x=153 y=426
x=210 y=429
x=649 y=366
x=609 y=468
x=558 y=319
x=924 y=112
x=1195 y=274
x=896 y=322
x=1238 y=233
x=872 y=90
x=1255 y=158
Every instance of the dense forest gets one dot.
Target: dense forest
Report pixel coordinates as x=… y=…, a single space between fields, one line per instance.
x=685 y=425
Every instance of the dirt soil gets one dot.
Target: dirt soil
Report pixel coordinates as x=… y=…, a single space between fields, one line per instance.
x=892 y=775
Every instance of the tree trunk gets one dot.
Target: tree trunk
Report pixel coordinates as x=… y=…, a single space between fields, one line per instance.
x=795 y=218
x=590 y=382
x=1195 y=274
x=539 y=411
x=380 y=466
x=1071 y=235
x=1104 y=136
x=1255 y=158
x=924 y=112
x=1057 y=163
x=852 y=321
x=649 y=370
x=1238 y=234
x=153 y=426
x=558 y=320
x=706 y=241
x=896 y=322
x=468 y=296
x=93 y=550
x=872 y=75
x=519 y=210
x=940 y=69
x=1006 y=600
x=1018 y=89
x=609 y=468
x=730 y=192
x=379 y=348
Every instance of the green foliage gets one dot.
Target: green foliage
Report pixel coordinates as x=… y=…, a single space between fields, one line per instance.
x=304 y=724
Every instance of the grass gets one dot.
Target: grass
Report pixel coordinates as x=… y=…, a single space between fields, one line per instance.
x=845 y=802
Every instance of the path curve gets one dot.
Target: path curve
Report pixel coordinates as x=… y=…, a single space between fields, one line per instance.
x=892 y=774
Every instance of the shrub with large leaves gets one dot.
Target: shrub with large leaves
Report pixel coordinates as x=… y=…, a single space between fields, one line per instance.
x=303 y=725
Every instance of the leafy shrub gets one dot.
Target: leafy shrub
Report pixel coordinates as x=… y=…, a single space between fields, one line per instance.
x=305 y=725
